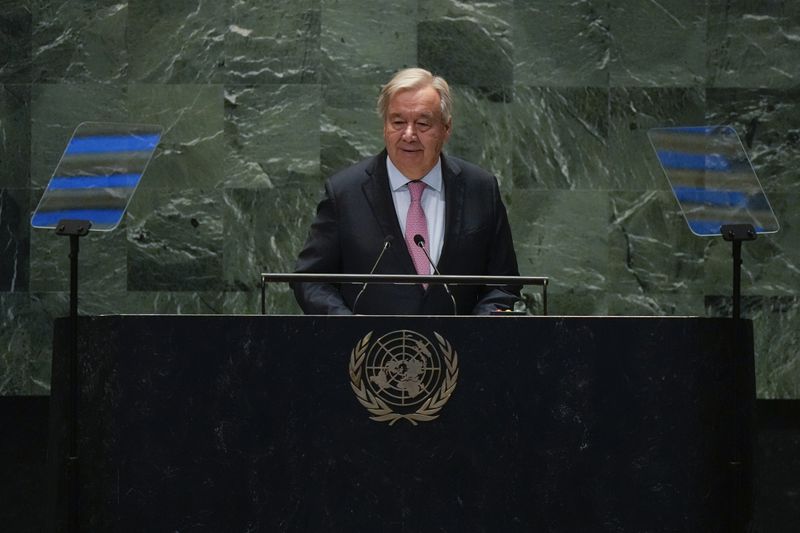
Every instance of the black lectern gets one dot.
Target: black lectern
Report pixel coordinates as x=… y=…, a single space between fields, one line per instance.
x=288 y=423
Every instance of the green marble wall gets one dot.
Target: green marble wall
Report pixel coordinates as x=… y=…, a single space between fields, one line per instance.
x=260 y=100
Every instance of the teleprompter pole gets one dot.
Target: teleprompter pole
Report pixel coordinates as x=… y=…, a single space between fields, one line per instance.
x=74 y=229
x=736 y=233
x=741 y=505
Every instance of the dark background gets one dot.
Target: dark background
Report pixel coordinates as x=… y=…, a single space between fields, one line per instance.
x=23 y=449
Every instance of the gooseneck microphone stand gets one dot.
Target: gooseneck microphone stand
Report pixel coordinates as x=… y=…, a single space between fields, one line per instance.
x=387 y=243
x=419 y=240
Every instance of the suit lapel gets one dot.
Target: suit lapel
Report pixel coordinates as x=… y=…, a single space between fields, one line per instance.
x=379 y=196
x=453 y=212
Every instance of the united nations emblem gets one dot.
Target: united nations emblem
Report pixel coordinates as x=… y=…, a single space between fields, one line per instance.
x=403 y=375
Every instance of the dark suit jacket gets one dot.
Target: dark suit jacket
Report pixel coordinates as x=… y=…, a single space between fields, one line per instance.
x=357 y=214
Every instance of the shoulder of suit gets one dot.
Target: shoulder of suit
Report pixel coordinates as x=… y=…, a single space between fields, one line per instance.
x=468 y=171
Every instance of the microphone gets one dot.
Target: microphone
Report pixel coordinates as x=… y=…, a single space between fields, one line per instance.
x=387 y=243
x=420 y=241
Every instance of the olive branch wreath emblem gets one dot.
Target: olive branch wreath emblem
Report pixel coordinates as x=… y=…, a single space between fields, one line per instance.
x=379 y=409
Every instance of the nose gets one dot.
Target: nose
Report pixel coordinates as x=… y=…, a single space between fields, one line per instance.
x=410 y=132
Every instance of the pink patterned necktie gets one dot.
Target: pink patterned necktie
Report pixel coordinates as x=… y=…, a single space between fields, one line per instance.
x=416 y=224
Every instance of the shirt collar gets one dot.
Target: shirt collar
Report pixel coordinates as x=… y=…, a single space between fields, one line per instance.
x=432 y=179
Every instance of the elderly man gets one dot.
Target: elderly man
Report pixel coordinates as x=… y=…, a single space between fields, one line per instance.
x=409 y=190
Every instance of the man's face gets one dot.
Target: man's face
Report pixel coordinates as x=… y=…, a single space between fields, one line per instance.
x=414 y=131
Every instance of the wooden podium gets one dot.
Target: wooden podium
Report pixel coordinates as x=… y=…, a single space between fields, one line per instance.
x=268 y=423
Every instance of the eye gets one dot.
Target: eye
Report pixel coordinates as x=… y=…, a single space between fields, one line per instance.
x=423 y=125
x=398 y=123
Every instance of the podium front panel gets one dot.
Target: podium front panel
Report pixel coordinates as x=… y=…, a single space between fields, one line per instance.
x=254 y=423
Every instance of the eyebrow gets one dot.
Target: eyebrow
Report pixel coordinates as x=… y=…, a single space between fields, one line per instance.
x=421 y=115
